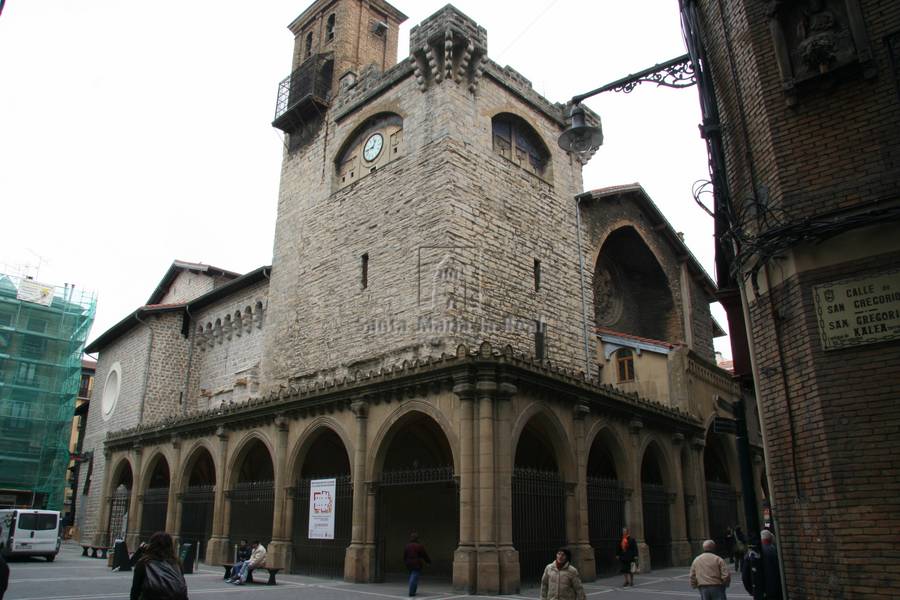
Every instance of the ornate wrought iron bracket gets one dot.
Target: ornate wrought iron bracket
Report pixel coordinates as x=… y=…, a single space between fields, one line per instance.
x=675 y=73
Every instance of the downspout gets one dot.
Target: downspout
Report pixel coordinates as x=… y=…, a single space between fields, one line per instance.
x=190 y=357
x=146 y=366
x=584 y=319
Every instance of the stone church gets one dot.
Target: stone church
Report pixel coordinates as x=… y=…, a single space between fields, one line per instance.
x=467 y=343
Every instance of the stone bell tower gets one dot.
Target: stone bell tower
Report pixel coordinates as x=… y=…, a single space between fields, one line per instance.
x=424 y=203
x=334 y=41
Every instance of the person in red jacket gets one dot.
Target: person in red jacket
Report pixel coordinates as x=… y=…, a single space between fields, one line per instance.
x=414 y=555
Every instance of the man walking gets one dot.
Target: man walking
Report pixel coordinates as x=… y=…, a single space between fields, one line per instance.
x=710 y=574
x=415 y=557
x=561 y=580
x=761 y=574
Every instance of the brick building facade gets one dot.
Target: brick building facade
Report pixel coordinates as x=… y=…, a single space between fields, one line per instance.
x=809 y=120
x=423 y=341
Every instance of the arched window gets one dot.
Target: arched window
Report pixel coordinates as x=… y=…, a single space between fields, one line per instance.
x=329 y=28
x=515 y=139
x=308 y=48
x=625 y=365
x=370 y=147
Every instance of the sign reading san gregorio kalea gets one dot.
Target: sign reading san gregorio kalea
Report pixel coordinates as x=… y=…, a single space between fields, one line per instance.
x=858 y=311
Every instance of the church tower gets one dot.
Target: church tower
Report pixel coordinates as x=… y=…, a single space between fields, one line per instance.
x=423 y=204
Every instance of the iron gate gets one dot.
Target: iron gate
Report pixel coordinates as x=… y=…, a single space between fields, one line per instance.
x=252 y=511
x=322 y=557
x=197 y=505
x=428 y=476
x=606 y=518
x=118 y=511
x=153 y=515
x=657 y=532
x=538 y=519
x=721 y=500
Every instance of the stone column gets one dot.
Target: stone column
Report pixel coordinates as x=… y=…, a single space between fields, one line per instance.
x=464 y=558
x=681 y=547
x=359 y=560
x=636 y=516
x=279 y=550
x=173 y=502
x=488 y=578
x=101 y=533
x=135 y=505
x=217 y=550
x=580 y=543
x=508 y=555
x=695 y=456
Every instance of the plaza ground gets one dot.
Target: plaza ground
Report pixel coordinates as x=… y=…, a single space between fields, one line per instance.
x=75 y=577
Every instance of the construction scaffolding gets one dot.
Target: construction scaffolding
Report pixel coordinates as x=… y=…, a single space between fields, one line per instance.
x=43 y=329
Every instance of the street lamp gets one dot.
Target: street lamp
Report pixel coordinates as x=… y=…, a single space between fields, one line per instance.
x=580 y=138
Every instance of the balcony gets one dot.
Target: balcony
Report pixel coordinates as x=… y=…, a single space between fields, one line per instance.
x=304 y=94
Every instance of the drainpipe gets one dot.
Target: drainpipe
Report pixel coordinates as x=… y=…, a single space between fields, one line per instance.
x=146 y=366
x=190 y=357
x=584 y=319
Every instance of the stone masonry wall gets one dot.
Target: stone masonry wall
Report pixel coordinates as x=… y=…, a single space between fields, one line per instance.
x=168 y=361
x=224 y=363
x=451 y=208
x=130 y=352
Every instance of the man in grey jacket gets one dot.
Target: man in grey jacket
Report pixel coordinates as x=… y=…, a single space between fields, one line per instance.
x=561 y=580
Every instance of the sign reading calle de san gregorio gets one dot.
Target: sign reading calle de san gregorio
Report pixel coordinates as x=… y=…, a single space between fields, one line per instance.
x=858 y=311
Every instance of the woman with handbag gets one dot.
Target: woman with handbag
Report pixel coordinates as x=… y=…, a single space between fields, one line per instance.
x=627 y=553
x=157 y=574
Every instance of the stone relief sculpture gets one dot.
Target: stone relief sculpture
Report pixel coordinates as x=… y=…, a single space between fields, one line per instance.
x=815 y=39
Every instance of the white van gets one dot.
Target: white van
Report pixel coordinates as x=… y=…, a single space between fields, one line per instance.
x=29 y=532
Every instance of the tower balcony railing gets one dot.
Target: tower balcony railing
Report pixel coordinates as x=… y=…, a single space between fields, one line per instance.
x=304 y=92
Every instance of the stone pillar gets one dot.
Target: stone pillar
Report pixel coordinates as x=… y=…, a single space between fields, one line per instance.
x=488 y=578
x=681 y=547
x=698 y=445
x=279 y=550
x=580 y=543
x=217 y=550
x=359 y=560
x=135 y=505
x=464 y=558
x=636 y=516
x=173 y=503
x=508 y=555
x=101 y=533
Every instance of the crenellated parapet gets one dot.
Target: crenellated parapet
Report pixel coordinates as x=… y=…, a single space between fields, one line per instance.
x=448 y=46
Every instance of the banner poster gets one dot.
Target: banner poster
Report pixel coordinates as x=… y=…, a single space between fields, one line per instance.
x=32 y=291
x=321 y=509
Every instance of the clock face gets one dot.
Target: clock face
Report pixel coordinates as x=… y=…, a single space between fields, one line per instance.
x=373 y=147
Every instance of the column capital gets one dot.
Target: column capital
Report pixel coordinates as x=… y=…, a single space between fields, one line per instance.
x=635 y=425
x=360 y=408
x=281 y=422
x=175 y=440
x=581 y=410
x=222 y=433
x=677 y=438
x=698 y=443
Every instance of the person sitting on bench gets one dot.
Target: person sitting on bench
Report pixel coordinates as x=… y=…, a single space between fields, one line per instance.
x=257 y=559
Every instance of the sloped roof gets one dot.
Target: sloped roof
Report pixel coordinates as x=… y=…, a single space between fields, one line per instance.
x=181 y=266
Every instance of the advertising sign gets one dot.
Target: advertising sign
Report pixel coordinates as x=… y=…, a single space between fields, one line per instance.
x=321 y=509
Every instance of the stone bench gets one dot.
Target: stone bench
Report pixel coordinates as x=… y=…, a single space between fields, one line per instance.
x=94 y=549
x=273 y=571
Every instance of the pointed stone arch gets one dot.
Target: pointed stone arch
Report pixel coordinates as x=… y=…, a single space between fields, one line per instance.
x=628 y=273
x=199 y=478
x=250 y=489
x=607 y=478
x=154 y=494
x=657 y=501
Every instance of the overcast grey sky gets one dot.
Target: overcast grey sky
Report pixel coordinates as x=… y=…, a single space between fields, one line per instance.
x=136 y=133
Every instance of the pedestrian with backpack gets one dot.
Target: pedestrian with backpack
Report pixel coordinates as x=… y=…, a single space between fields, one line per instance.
x=157 y=574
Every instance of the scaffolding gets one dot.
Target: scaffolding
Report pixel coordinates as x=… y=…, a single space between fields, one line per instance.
x=43 y=329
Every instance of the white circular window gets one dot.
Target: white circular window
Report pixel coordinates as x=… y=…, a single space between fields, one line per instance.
x=111 y=390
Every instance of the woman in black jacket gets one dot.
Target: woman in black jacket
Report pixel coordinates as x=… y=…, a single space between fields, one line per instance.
x=157 y=574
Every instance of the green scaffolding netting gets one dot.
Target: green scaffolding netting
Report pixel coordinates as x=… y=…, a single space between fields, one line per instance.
x=43 y=329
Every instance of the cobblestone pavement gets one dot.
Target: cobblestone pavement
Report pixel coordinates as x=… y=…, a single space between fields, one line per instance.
x=74 y=577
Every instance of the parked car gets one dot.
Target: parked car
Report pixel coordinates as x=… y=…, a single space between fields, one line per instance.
x=29 y=532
